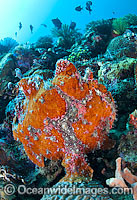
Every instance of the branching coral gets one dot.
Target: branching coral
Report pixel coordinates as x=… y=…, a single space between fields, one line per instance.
x=64 y=119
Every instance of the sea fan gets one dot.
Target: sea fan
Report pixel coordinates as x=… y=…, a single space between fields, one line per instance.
x=7 y=44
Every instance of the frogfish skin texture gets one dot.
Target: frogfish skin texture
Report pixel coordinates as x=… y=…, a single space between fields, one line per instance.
x=64 y=118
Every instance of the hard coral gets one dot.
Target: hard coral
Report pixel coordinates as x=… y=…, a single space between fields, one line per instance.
x=64 y=119
x=121 y=46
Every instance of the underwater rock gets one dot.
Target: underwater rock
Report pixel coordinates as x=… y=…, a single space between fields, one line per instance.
x=48 y=58
x=14 y=162
x=7 y=67
x=44 y=42
x=24 y=57
x=103 y=27
x=12 y=153
x=128 y=143
x=95 y=41
x=121 y=46
x=51 y=170
x=45 y=73
x=119 y=78
x=64 y=118
x=20 y=58
x=87 y=49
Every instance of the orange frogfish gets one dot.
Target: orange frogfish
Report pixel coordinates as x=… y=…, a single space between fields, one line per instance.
x=64 y=118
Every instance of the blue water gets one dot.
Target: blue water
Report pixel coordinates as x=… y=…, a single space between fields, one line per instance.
x=37 y=12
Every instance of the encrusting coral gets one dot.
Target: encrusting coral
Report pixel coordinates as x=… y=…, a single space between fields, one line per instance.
x=64 y=118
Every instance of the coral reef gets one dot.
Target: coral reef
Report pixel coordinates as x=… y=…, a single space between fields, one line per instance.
x=82 y=191
x=66 y=36
x=7 y=67
x=101 y=27
x=64 y=119
x=7 y=44
x=119 y=78
x=23 y=57
x=88 y=48
x=119 y=25
x=133 y=119
x=79 y=53
x=44 y=42
x=128 y=143
x=14 y=162
x=121 y=176
x=121 y=46
x=131 y=19
x=94 y=41
x=38 y=69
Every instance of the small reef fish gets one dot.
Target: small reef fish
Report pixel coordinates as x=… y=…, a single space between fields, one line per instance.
x=44 y=25
x=89 y=9
x=88 y=6
x=78 y=8
x=20 y=26
x=89 y=3
x=57 y=23
x=15 y=34
x=18 y=73
x=72 y=25
x=31 y=28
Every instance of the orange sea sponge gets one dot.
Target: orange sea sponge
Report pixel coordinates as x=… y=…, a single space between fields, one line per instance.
x=64 y=118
